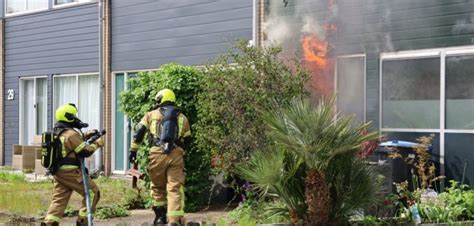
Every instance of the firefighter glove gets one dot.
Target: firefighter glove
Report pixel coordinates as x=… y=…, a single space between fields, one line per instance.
x=99 y=142
x=90 y=133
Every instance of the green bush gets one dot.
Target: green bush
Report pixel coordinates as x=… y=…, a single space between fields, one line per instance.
x=185 y=82
x=111 y=212
x=137 y=200
x=11 y=176
x=252 y=213
x=238 y=86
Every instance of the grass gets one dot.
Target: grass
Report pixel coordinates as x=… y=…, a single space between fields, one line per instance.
x=32 y=199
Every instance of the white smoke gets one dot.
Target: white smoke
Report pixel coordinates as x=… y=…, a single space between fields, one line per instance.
x=311 y=26
x=388 y=43
x=465 y=25
x=281 y=28
x=278 y=30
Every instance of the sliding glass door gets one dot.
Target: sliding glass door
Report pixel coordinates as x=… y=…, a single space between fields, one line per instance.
x=84 y=92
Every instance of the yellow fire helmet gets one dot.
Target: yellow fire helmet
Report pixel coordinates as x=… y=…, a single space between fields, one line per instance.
x=165 y=95
x=66 y=113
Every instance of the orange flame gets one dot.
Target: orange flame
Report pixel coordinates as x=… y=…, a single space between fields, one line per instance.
x=315 y=53
x=316 y=59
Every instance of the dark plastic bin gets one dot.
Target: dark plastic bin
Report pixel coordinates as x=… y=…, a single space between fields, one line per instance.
x=395 y=170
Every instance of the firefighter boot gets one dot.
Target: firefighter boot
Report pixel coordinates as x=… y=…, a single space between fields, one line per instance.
x=81 y=221
x=160 y=215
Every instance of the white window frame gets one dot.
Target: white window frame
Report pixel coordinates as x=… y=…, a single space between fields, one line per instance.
x=126 y=119
x=21 y=116
x=365 y=79
x=442 y=53
x=71 y=4
x=5 y=6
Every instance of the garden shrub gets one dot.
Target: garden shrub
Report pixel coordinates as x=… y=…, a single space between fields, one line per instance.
x=237 y=87
x=139 y=98
x=313 y=165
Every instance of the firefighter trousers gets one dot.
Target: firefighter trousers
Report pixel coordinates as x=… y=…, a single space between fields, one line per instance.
x=65 y=182
x=167 y=182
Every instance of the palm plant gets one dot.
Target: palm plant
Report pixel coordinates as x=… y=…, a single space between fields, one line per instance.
x=278 y=174
x=317 y=136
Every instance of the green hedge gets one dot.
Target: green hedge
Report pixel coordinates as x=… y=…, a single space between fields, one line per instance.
x=237 y=87
x=185 y=82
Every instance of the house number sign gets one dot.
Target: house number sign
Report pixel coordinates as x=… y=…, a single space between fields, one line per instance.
x=11 y=94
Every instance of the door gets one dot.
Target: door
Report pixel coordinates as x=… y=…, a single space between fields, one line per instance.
x=33 y=108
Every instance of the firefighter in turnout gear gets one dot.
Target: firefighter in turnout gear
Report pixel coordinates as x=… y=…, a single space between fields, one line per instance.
x=170 y=133
x=68 y=177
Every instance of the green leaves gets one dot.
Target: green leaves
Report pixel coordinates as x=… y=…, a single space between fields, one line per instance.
x=305 y=138
x=315 y=134
x=185 y=81
x=233 y=95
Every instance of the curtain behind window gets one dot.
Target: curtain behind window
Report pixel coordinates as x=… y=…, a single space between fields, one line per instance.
x=28 y=111
x=15 y=6
x=36 y=4
x=41 y=105
x=65 y=91
x=89 y=108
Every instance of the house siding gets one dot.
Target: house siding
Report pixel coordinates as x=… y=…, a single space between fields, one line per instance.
x=58 y=41
x=391 y=26
x=376 y=26
x=146 y=34
x=373 y=27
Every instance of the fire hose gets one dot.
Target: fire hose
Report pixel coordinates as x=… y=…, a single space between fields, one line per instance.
x=85 y=179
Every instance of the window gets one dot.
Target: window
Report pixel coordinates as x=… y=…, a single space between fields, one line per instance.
x=33 y=108
x=84 y=91
x=122 y=126
x=21 y=6
x=411 y=93
x=460 y=92
x=432 y=91
x=350 y=86
x=67 y=2
x=459 y=157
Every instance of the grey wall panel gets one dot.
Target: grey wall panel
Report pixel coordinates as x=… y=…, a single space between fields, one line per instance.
x=11 y=125
x=59 y=41
x=2 y=8
x=201 y=39
x=146 y=34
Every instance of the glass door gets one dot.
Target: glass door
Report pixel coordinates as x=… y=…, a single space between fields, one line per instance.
x=122 y=125
x=33 y=108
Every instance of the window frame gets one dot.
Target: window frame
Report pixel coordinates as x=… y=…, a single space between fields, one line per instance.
x=71 y=4
x=20 y=103
x=5 y=6
x=442 y=53
x=126 y=119
x=77 y=75
x=365 y=79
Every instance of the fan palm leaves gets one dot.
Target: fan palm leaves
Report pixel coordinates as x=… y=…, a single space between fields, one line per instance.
x=312 y=165
x=315 y=134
